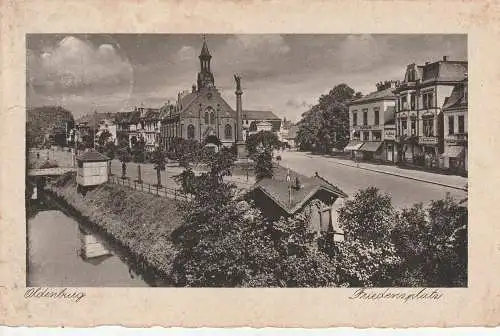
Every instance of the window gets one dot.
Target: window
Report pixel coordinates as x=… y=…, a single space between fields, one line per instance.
x=354 y=118
x=404 y=126
x=206 y=117
x=366 y=136
x=451 y=125
x=413 y=126
x=428 y=124
x=365 y=117
x=461 y=124
x=412 y=101
x=212 y=117
x=404 y=104
x=377 y=135
x=190 y=132
x=228 y=131
x=377 y=116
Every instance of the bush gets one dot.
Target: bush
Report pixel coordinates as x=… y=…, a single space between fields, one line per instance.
x=367 y=256
x=432 y=242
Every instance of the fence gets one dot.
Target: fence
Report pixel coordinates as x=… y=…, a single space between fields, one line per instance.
x=152 y=189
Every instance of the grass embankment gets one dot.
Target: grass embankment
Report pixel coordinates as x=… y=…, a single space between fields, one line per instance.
x=140 y=222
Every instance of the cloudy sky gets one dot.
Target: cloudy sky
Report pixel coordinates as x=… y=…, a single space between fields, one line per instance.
x=284 y=73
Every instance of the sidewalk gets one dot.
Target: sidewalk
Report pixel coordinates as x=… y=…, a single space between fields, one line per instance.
x=450 y=181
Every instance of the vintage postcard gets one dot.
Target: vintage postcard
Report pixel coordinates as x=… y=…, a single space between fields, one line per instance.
x=249 y=172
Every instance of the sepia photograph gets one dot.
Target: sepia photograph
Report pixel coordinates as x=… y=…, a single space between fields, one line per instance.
x=264 y=160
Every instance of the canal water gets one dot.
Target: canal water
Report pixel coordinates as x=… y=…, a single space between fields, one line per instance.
x=65 y=253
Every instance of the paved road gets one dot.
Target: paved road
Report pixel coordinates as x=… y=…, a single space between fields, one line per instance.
x=404 y=192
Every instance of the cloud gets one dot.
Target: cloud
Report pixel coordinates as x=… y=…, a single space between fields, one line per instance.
x=186 y=53
x=294 y=103
x=74 y=64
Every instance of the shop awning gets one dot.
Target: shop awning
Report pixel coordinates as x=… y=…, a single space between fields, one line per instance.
x=353 y=145
x=371 y=146
x=453 y=151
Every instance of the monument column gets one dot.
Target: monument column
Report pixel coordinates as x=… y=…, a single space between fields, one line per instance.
x=240 y=144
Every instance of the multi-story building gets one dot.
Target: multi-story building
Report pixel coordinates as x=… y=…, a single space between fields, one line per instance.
x=369 y=117
x=455 y=112
x=256 y=121
x=140 y=124
x=419 y=116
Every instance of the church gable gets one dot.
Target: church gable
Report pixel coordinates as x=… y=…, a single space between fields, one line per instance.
x=210 y=100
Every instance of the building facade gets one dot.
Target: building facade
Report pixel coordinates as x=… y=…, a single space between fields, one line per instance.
x=419 y=116
x=455 y=111
x=370 y=119
x=256 y=121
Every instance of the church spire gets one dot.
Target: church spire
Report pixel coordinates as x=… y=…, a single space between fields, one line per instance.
x=205 y=76
x=205 y=53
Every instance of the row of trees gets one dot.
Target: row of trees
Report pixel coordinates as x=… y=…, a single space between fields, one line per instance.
x=225 y=242
x=326 y=125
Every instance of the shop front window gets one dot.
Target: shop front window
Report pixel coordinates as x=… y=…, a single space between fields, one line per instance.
x=377 y=136
x=366 y=136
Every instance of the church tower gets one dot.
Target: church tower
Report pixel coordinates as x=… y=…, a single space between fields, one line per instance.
x=205 y=76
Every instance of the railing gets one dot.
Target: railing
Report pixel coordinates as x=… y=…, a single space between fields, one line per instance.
x=152 y=189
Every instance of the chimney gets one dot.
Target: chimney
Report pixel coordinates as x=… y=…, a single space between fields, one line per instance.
x=445 y=58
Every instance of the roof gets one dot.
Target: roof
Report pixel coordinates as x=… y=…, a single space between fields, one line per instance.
x=92 y=119
x=444 y=71
x=386 y=94
x=92 y=156
x=276 y=125
x=259 y=115
x=457 y=97
x=278 y=191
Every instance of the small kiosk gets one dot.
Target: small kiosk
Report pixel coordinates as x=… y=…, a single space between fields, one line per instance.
x=92 y=169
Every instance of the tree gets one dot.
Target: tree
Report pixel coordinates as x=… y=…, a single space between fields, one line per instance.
x=124 y=157
x=110 y=149
x=301 y=262
x=138 y=149
x=185 y=151
x=103 y=139
x=267 y=140
x=263 y=165
x=367 y=256
x=326 y=124
x=225 y=242
x=159 y=161
x=432 y=243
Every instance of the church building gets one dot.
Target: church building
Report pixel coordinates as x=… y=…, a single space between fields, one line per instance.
x=200 y=113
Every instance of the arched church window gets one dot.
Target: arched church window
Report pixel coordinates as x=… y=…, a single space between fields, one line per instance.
x=190 y=132
x=206 y=117
x=212 y=117
x=228 y=131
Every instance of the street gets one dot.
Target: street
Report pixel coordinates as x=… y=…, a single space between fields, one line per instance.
x=404 y=192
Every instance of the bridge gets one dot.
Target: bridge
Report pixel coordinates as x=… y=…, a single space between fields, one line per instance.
x=50 y=171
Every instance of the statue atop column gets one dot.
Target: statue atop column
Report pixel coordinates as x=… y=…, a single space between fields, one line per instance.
x=237 y=78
